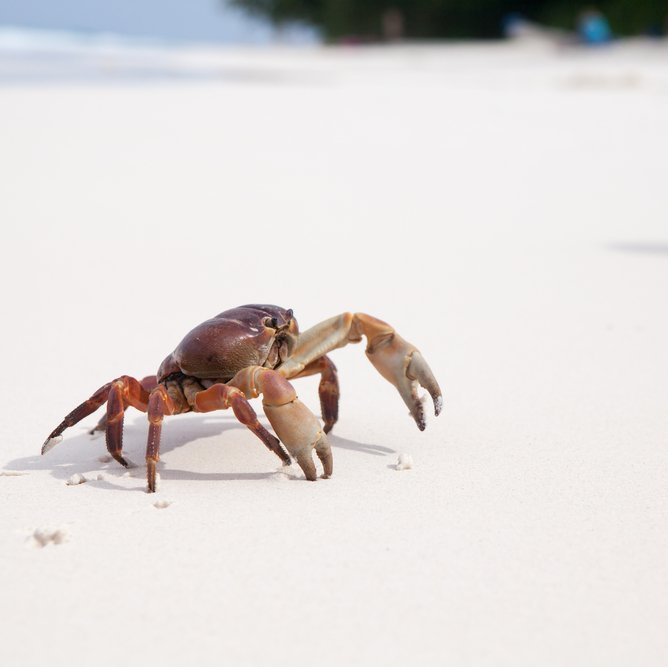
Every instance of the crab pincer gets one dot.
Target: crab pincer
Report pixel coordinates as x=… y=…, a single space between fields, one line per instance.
x=402 y=364
x=397 y=360
x=295 y=425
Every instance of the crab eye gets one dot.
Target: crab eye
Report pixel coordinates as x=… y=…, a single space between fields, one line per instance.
x=271 y=322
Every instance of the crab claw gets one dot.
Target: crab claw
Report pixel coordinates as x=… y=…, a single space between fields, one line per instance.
x=295 y=425
x=401 y=363
x=418 y=371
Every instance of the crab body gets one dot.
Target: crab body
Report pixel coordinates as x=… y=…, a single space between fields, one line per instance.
x=250 y=351
x=253 y=335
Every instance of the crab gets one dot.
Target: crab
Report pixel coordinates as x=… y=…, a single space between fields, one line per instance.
x=250 y=351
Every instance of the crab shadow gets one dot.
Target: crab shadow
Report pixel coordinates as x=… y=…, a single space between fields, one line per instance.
x=642 y=248
x=85 y=454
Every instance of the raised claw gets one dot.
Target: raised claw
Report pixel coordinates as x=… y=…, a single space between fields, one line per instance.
x=395 y=359
x=401 y=363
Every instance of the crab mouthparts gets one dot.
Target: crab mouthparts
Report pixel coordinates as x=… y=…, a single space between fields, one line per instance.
x=286 y=343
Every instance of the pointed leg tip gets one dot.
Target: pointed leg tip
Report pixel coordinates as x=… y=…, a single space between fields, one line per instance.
x=50 y=443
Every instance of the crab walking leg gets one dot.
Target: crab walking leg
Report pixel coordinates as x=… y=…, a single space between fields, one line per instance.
x=114 y=431
x=159 y=405
x=397 y=360
x=80 y=412
x=296 y=426
x=221 y=396
x=328 y=389
x=124 y=391
x=149 y=383
x=133 y=393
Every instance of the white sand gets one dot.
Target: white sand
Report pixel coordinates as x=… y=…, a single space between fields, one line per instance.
x=504 y=208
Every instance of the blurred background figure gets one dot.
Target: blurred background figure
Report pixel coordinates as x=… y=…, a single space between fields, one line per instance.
x=593 y=27
x=515 y=26
x=393 y=25
x=518 y=28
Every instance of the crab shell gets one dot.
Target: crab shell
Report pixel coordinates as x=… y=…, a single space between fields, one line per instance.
x=251 y=335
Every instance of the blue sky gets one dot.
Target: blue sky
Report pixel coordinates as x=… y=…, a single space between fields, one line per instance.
x=205 y=20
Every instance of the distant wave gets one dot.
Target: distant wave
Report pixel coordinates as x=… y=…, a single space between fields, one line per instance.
x=30 y=55
x=19 y=39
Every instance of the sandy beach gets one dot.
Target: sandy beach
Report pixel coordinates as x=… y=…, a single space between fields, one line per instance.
x=502 y=206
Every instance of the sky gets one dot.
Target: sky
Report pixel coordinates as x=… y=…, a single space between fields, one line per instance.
x=197 y=20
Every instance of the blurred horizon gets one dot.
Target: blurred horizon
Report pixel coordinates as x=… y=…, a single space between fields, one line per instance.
x=207 y=21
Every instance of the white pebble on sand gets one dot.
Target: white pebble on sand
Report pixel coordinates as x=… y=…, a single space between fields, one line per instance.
x=76 y=479
x=162 y=504
x=283 y=473
x=405 y=462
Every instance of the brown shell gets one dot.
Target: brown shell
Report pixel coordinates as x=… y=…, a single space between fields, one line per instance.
x=220 y=347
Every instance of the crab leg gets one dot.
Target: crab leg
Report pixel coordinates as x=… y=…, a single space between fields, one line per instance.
x=395 y=359
x=159 y=405
x=149 y=383
x=123 y=392
x=130 y=391
x=328 y=389
x=222 y=396
x=296 y=426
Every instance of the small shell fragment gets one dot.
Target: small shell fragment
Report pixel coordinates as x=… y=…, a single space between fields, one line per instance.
x=405 y=462
x=76 y=479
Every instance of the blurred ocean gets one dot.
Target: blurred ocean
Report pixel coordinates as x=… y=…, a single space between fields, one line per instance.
x=39 y=55
x=92 y=39
x=180 y=20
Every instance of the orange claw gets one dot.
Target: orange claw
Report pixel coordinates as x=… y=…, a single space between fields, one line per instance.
x=397 y=360
x=296 y=426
